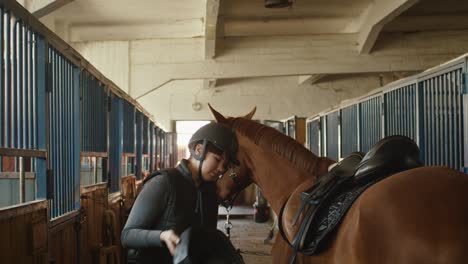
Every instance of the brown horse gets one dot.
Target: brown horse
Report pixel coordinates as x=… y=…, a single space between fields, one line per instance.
x=415 y=216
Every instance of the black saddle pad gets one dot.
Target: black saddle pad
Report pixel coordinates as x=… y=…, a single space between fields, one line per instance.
x=205 y=246
x=327 y=218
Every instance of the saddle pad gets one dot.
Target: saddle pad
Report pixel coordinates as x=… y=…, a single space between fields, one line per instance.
x=327 y=218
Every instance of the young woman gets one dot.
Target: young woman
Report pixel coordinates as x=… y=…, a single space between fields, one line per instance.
x=175 y=199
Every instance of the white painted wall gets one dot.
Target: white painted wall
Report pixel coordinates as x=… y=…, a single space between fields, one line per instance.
x=111 y=58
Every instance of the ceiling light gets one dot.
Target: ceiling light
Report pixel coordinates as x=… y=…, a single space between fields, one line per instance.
x=277 y=3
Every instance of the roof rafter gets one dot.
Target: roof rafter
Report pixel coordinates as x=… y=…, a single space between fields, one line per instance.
x=41 y=8
x=211 y=27
x=375 y=17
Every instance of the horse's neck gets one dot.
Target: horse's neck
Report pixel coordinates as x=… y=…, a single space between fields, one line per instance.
x=275 y=175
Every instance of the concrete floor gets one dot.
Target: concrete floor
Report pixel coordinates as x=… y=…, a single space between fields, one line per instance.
x=249 y=237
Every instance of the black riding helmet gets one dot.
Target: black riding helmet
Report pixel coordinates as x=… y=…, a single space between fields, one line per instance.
x=219 y=136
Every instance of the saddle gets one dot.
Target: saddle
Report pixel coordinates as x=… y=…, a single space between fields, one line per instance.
x=326 y=202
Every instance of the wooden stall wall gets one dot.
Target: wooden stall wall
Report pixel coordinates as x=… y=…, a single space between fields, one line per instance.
x=23 y=232
x=94 y=206
x=64 y=240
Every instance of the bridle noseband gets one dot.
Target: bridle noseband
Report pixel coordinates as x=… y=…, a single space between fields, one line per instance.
x=228 y=203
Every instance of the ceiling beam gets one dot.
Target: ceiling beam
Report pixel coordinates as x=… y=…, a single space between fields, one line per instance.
x=288 y=26
x=167 y=29
x=211 y=27
x=41 y=8
x=292 y=56
x=375 y=17
x=310 y=79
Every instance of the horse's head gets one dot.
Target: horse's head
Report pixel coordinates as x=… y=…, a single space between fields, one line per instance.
x=237 y=177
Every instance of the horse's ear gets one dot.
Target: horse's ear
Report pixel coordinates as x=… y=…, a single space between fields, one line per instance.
x=250 y=115
x=219 y=117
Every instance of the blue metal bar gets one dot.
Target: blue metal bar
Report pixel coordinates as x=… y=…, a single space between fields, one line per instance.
x=35 y=88
x=21 y=91
x=76 y=136
x=2 y=84
x=104 y=118
x=57 y=173
x=139 y=144
x=61 y=141
x=67 y=139
x=94 y=107
x=116 y=121
x=51 y=124
x=73 y=144
x=27 y=96
x=430 y=119
x=2 y=78
x=7 y=113
x=458 y=114
x=40 y=79
x=14 y=87
x=83 y=109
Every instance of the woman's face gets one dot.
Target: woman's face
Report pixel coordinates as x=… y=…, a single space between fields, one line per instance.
x=213 y=166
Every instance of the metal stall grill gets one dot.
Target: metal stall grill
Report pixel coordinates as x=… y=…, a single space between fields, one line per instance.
x=146 y=135
x=115 y=143
x=400 y=111
x=22 y=111
x=151 y=143
x=313 y=128
x=323 y=131
x=332 y=135
x=349 y=130
x=18 y=104
x=442 y=115
x=128 y=127
x=93 y=114
x=64 y=116
x=139 y=145
x=370 y=122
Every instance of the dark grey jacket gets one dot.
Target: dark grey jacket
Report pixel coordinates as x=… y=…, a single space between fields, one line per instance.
x=168 y=200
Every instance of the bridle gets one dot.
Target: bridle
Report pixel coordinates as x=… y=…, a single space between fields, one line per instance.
x=230 y=202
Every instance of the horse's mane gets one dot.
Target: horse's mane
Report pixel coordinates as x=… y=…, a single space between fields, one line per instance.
x=271 y=139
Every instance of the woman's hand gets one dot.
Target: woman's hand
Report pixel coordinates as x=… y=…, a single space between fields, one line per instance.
x=171 y=239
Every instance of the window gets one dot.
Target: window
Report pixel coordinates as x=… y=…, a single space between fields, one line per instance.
x=146 y=163
x=92 y=170
x=10 y=188
x=128 y=165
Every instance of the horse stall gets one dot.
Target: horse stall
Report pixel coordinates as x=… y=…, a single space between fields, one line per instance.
x=349 y=124
x=429 y=108
x=331 y=133
x=313 y=135
x=71 y=152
